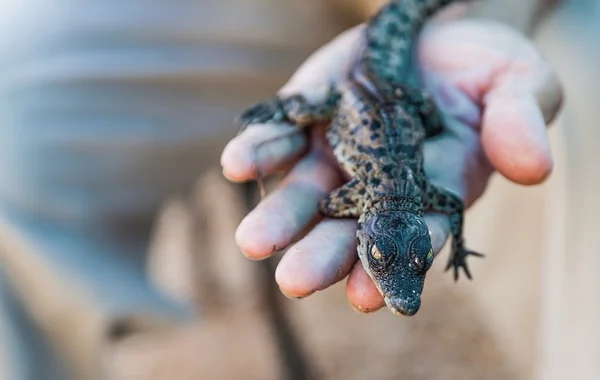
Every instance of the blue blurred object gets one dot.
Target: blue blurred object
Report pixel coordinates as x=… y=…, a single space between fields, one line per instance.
x=108 y=107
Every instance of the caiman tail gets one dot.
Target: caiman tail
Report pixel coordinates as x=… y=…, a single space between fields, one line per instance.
x=389 y=39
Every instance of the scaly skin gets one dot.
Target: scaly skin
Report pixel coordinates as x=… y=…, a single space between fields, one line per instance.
x=378 y=127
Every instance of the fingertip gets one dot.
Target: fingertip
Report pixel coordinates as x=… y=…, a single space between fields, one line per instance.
x=269 y=147
x=362 y=294
x=295 y=280
x=514 y=138
x=259 y=238
x=319 y=260
x=233 y=162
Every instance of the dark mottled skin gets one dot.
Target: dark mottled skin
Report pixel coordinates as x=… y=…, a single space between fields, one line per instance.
x=378 y=127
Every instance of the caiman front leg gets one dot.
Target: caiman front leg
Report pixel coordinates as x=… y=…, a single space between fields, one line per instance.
x=438 y=199
x=343 y=202
x=295 y=109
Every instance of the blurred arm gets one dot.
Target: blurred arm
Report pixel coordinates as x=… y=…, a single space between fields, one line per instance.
x=523 y=15
x=520 y=14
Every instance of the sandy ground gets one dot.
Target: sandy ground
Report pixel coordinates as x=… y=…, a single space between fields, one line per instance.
x=485 y=329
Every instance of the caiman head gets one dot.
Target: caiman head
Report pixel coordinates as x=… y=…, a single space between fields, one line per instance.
x=395 y=249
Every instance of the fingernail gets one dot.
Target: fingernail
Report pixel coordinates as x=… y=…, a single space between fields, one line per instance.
x=362 y=310
x=296 y=297
x=249 y=257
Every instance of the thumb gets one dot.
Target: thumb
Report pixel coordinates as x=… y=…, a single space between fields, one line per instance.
x=502 y=72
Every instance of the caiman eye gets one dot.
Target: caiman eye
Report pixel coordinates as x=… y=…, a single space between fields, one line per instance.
x=419 y=263
x=375 y=253
x=430 y=255
x=422 y=260
x=424 y=264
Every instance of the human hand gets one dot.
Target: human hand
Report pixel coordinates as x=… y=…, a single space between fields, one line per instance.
x=498 y=95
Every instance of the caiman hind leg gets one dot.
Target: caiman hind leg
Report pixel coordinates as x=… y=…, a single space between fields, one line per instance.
x=431 y=116
x=438 y=199
x=348 y=200
x=297 y=110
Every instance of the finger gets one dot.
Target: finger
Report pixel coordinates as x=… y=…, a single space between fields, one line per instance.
x=502 y=71
x=266 y=147
x=321 y=259
x=514 y=137
x=362 y=294
x=281 y=216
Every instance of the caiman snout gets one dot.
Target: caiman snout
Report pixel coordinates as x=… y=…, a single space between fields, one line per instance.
x=407 y=306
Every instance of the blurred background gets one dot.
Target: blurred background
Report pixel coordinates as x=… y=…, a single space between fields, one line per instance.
x=116 y=225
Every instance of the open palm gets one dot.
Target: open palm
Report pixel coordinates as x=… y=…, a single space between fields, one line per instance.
x=498 y=95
